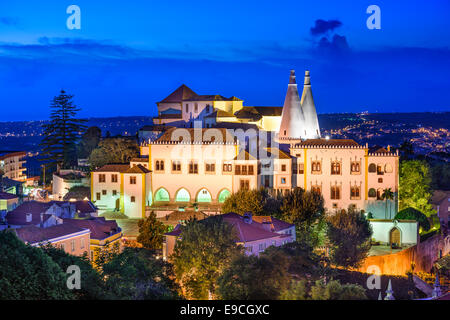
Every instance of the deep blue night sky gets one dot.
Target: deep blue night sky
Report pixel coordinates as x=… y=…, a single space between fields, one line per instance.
x=126 y=57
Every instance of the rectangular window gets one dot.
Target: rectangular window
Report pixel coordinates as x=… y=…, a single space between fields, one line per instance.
x=101 y=178
x=159 y=165
x=114 y=178
x=82 y=243
x=244 y=170
x=283 y=180
x=196 y=108
x=176 y=166
x=335 y=192
x=73 y=245
x=98 y=195
x=249 y=249
x=355 y=167
x=245 y=184
x=354 y=193
x=300 y=168
x=335 y=167
x=283 y=167
x=132 y=180
x=132 y=199
x=63 y=247
x=237 y=169
x=193 y=167
x=187 y=107
x=227 y=167
x=114 y=192
x=210 y=167
x=316 y=167
x=104 y=192
x=250 y=170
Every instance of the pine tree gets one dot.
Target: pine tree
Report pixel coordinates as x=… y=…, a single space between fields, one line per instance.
x=61 y=133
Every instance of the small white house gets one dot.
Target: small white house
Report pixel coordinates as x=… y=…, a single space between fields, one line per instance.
x=399 y=232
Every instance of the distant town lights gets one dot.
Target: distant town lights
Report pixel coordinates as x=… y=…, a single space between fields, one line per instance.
x=327 y=137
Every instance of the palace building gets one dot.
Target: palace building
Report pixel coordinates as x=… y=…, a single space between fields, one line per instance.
x=206 y=147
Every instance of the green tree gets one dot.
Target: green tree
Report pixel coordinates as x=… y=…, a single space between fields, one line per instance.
x=414 y=214
x=349 y=234
x=61 y=133
x=255 y=278
x=248 y=201
x=136 y=274
x=306 y=210
x=27 y=273
x=297 y=290
x=206 y=248
x=114 y=150
x=414 y=188
x=151 y=232
x=103 y=255
x=92 y=286
x=334 y=290
x=89 y=141
x=388 y=196
x=406 y=150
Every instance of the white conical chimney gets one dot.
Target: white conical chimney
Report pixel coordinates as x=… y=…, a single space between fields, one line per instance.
x=309 y=110
x=292 y=119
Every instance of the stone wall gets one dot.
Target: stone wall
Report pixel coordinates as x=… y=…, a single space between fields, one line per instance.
x=422 y=256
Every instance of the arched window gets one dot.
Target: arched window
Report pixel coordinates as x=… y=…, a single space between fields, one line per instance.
x=380 y=194
x=335 y=192
x=182 y=196
x=162 y=195
x=380 y=169
x=204 y=196
x=223 y=195
x=316 y=189
x=355 y=193
x=372 y=193
x=388 y=168
x=372 y=167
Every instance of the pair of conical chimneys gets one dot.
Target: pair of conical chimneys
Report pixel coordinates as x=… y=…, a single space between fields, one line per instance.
x=299 y=116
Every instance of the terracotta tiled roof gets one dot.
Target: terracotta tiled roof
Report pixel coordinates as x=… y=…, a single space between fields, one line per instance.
x=137 y=169
x=99 y=227
x=85 y=206
x=181 y=93
x=113 y=168
x=33 y=234
x=7 y=196
x=328 y=142
x=247 y=232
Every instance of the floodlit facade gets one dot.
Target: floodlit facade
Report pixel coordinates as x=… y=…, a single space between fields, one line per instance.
x=190 y=165
x=13 y=165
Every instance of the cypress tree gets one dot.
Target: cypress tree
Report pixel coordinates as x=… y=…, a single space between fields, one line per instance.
x=61 y=133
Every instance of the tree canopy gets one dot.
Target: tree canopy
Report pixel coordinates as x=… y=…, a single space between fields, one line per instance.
x=334 y=290
x=349 y=234
x=61 y=133
x=136 y=274
x=204 y=251
x=89 y=141
x=255 y=278
x=414 y=187
x=151 y=232
x=27 y=273
x=414 y=214
x=113 y=150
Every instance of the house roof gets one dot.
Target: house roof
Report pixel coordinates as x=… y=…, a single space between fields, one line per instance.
x=137 y=169
x=99 y=227
x=33 y=234
x=181 y=93
x=211 y=97
x=18 y=216
x=277 y=153
x=9 y=154
x=328 y=142
x=113 y=168
x=244 y=155
x=248 y=232
x=439 y=196
x=85 y=206
x=7 y=196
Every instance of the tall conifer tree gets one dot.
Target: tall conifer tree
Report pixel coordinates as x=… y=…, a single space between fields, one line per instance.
x=61 y=133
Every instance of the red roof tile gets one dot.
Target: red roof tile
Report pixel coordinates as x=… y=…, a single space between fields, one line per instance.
x=33 y=234
x=100 y=228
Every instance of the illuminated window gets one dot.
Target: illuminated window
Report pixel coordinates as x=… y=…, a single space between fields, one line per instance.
x=193 y=167
x=335 y=192
x=355 y=193
x=210 y=167
x=388 y=168
x=380 y=169
x=335 y=167
x=300 y=168
x=176 y=166
x=227 y=167
x=237 y=169
x=355 y=167
x=316 y=167
x=316 y=189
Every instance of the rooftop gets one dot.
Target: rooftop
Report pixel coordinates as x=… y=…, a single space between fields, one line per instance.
x=33 y=234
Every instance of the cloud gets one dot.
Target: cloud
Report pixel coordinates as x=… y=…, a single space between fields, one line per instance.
x=9 y=21
x=323 y=26
x=337 y=44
